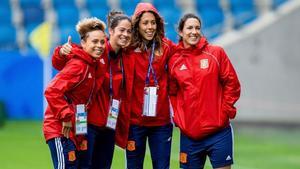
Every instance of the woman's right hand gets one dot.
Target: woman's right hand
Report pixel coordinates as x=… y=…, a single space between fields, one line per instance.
x=66 y=128
x=66 y=48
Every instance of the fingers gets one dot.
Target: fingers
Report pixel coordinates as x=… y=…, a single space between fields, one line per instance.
x=66 y=131
x=66 y=49
x=66 y=128
x=69 y=39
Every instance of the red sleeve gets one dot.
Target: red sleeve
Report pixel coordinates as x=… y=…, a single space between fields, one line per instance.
x=231 y=85
x=64 y=81
x=173 y=85
x=58 y=61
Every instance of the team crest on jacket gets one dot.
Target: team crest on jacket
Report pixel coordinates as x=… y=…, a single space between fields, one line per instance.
x=204 y=63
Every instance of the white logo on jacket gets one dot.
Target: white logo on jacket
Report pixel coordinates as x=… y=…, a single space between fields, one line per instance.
x=183 y=67
x=90 y=75
x=137 y=50
x=204 y=63
x=102 y=61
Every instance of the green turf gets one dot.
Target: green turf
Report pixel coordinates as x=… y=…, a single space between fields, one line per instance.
x=22 y=147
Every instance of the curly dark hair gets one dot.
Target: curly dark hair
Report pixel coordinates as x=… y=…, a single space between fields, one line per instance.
x=137 y=39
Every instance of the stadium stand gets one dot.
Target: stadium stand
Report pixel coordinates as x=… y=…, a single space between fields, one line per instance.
x=97 y=9
x=20 y=17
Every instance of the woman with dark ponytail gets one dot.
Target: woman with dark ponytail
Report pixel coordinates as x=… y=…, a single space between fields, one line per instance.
x=203 y=90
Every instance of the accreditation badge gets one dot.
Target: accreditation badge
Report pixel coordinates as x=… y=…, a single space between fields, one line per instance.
x=113 y=114
x=81 y=120
x=150 y=102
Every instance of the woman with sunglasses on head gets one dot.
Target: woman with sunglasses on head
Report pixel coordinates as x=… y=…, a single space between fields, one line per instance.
x=105 y=124
x=203 y=90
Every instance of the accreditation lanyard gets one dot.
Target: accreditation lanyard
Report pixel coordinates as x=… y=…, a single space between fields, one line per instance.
x=150 y=68
x=111 y=76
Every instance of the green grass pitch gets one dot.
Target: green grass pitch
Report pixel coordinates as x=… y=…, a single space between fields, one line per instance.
x=22 y=146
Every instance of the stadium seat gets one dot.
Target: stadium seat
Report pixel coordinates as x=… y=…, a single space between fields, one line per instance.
x=243 y=12
x=67 y=15
x=33 y=15
x=60 y=3
x=200 y=4
x=212 y=21
x=96 y=3
x=67 y=30
x=8 y=37
x=5 y=15
x=171 y=16
x=163 y=4
x=128 y=6
x=277 y=3
x=97 y=8
x=212 y=17
x=100 y=13
x=27 y=3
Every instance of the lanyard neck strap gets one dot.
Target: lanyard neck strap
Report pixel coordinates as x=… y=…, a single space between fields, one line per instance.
x=111 y=75
x=150 y=68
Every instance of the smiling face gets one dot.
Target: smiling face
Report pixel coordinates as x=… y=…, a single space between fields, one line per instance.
x=191 y=32
x=147 y=26
x=94 y=43
x=120 y=36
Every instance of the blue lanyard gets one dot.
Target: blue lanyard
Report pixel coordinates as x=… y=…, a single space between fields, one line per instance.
x=110 y=76
x=150 y=68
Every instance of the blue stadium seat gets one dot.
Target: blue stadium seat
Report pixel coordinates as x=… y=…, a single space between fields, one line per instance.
x=212 y=22
x=33 y=15
x=128 y=6
x=200 y=4
x=277 y=3
x=171 y=16
x=5 y=15
x=67 y=30
x=27 y=3
x=97 y=8
x=5 y=3
x=96 y=3
x=8 y=37
x=60 y=3
x=100 y=13
x=67 y=15
x=243 y=11
x=162 y=4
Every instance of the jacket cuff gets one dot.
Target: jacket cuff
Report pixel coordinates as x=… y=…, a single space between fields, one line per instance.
x=66 y=115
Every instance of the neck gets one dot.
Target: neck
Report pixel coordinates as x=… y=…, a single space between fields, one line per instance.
x=114 y=46
x=186 y=45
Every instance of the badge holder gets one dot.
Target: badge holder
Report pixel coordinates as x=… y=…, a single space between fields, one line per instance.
x=150 y=102
x=113 y=114
x=81 y=120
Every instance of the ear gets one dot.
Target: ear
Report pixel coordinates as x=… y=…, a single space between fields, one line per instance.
x=180 y=33
x=111 y=31
x=82 y=42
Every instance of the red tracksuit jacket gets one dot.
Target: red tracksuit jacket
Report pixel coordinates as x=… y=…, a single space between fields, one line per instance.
x=140 y=71
x=98 y=111
x=203 y=89
x=74 y=84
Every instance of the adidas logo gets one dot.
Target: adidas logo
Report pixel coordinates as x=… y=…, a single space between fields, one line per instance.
x=102 y=61
x=137 y=50
x=228 y=158
x=90 y=76
x=183 y=67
